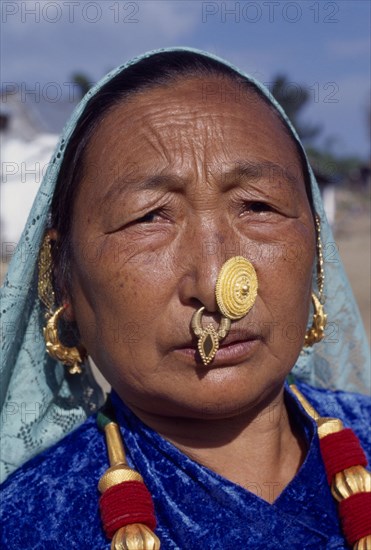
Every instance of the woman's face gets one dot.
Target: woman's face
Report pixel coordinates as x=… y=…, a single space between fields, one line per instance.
x=178 y=180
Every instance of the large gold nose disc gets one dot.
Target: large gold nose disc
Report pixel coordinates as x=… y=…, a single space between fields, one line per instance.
x=236 y=287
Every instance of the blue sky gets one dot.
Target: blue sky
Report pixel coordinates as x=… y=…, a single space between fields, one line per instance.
x=322 y=44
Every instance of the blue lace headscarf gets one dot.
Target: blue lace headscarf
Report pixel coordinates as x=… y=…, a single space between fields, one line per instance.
x=38 y=405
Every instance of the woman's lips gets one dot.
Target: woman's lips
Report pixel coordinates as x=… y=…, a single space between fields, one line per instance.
x=228 y=354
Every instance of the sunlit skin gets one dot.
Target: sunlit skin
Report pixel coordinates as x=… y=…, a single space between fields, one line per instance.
x=173 y=186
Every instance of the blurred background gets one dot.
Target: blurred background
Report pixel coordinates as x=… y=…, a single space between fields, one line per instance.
x=313 y=55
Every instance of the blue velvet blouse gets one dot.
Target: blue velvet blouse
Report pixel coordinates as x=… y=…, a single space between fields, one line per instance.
x=52 y=501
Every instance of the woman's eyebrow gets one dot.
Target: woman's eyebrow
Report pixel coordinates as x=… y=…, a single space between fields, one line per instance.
x=251 y=170
x=125 y=183
x=267 y=170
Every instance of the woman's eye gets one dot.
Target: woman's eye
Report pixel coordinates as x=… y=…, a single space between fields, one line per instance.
x=257 y=207
x=150 y=217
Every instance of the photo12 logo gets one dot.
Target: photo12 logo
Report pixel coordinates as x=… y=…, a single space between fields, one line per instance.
x=270 y=11
x=30 y=11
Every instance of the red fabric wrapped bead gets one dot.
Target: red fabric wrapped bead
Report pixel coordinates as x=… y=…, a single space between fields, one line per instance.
x=355 y=514
x=341 y=450
x=126 y=503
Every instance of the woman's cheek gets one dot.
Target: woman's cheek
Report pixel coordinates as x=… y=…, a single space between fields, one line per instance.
x=285 y=280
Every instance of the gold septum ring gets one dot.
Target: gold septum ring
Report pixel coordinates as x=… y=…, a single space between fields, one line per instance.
x=236 y=291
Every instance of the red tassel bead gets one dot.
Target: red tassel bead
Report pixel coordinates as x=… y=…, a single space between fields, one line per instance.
x=126 y=503
x=341 y=450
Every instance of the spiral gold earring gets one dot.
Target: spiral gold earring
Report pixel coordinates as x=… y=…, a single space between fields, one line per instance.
x=317 y=331
x=72 y=357
x=236 y=291
x=69 y=356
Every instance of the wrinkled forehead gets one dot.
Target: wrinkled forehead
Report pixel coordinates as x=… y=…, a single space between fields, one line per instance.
x=194 y=103
x=214 y=93
x=191 y=113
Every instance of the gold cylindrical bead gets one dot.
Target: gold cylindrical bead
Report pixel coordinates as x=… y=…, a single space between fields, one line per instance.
x=116 y=451
x=117 y=474
x=304 y=403
x=326 y=426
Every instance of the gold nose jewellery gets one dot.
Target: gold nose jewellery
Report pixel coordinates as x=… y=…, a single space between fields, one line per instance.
x=236 y=290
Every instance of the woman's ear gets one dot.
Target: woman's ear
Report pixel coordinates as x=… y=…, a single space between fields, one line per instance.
x=60 y=284
x=68 y=314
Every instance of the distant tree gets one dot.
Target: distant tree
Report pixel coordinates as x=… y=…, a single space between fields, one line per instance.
x=293 y=97
x=83 y=83
x=368 y=122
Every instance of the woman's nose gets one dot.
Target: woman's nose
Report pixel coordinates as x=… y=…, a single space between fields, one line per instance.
x=201 y=261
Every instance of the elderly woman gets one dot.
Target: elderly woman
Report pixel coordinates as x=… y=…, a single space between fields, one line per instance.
x=180 y=237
